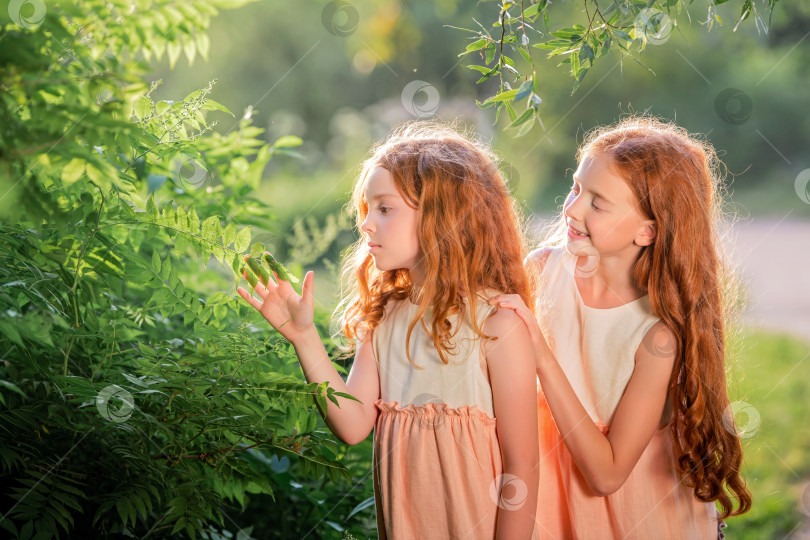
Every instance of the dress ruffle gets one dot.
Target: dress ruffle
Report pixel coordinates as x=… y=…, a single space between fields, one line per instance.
x=435 y=468
x=433 y=410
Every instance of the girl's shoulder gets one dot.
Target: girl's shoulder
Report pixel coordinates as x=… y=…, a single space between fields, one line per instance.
x=501 y=322
x=506 y=333
x=395 y=309
x=498 y=321
x=536 y=260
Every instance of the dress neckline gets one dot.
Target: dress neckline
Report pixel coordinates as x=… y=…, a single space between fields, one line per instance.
x=480 y=296
x=583 y=304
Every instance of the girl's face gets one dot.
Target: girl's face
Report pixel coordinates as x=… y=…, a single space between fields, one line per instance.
x=390 y=225
x=602 y=211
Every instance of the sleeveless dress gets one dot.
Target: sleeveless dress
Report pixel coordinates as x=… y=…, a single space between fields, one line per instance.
x=596 y=350
x=436 y=452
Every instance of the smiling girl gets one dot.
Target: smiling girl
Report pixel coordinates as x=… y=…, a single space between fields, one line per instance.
x=629 y=336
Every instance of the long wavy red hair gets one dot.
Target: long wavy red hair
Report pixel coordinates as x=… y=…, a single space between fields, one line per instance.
x=675 y=177
x=470 y=233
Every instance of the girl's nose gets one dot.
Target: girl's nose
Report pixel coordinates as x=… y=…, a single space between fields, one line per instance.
x=366 y=225
x=571 y=208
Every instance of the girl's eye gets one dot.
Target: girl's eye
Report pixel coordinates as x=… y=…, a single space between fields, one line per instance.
x=594 y=206
x=384 y=209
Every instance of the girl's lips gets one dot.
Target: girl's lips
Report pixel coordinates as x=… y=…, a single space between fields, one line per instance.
x=572 y=233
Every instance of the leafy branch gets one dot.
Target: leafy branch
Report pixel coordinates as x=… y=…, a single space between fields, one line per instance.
x=626 y=25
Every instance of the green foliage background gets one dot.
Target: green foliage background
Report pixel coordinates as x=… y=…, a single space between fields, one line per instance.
x=139 y=396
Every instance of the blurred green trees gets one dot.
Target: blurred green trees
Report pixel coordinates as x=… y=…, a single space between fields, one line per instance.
x=340 y=86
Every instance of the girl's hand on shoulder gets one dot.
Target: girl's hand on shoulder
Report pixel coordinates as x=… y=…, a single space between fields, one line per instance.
x=516 y=303
x=292 y=315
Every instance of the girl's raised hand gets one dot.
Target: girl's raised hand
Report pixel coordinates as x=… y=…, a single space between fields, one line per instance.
x=516 y=303
x=292 y=315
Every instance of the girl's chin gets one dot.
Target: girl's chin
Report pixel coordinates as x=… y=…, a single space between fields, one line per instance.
x=581 y=247
x=381 y=267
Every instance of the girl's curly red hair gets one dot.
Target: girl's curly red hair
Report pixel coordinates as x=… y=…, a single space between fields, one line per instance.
x=469 y=229
x=674 y=176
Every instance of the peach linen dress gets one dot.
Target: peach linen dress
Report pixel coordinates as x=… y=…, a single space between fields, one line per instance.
x=436 y=453
x=596 y=350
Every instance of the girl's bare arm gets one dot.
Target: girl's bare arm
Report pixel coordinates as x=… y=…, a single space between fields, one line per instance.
x=510 y=362
x=605 y=461
x=352 y=421
x=292 y=315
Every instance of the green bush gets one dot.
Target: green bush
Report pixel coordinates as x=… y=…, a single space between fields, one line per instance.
x=136 y=397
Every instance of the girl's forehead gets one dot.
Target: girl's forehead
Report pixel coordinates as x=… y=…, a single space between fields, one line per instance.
x=596 y=166
x=599 y=174
x=379 y=182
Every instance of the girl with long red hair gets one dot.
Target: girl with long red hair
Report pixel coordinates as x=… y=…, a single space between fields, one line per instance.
x=636 y=432
x=451 y=402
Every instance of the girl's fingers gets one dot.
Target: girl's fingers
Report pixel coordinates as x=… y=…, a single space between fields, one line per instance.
x=259 y=270
x=504 y=298
x=254 y=282
x=278 y=281
x=283 y=285
x=249 y=298
x=260 y=289
x=307 y=288
x=522 y=312
x=270 y=282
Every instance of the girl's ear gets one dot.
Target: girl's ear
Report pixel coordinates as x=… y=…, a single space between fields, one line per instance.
x=646 y=235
